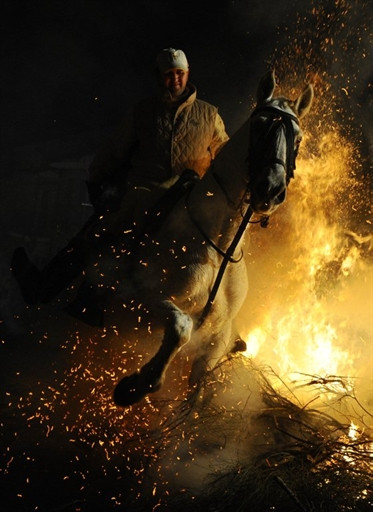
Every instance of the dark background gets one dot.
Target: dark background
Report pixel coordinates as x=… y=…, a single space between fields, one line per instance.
x=57 y=57
x=69 y=72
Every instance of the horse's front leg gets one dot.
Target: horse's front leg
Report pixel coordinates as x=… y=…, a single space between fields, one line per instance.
x=178 y=328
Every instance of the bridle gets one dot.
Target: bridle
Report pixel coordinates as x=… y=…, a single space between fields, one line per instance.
x=279 y=119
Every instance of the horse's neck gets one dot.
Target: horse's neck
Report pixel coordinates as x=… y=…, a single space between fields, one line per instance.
x=231 y=164
x=217 y=202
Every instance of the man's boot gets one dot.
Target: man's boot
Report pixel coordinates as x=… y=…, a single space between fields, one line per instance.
x=62 y=270
x=43 y=285
x=27 y=275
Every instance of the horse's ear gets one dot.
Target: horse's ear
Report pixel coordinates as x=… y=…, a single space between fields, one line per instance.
x=266 y=87
x=303 y=103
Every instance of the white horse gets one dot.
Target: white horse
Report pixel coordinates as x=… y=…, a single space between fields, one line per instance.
x=189 y=274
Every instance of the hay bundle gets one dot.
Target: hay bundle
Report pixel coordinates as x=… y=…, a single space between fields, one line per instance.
x=281 y=456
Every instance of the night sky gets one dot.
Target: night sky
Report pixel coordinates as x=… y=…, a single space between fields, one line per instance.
x=74 y=67
x=70 y=70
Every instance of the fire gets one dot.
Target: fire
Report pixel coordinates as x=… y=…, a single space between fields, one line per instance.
x=301 y=344
x=353 y=431
x=254 y=340
x=309 y=306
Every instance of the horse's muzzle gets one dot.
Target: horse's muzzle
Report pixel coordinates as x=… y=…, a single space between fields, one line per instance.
x=267 y=194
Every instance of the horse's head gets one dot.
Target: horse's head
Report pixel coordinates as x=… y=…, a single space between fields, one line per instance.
x=275 y=136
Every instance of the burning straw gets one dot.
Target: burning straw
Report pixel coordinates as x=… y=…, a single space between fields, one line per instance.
x=282 y=455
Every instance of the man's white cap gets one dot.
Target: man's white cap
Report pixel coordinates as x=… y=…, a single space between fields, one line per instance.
x=170 y=58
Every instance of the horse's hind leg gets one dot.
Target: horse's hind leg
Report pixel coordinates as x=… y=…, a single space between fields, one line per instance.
x=210 y=352
x=214 y=349
x=178 y=328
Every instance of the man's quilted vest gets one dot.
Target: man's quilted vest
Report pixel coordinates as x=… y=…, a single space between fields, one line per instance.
x=172 y=139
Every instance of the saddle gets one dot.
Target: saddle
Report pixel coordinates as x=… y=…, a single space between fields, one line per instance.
x=168 y=200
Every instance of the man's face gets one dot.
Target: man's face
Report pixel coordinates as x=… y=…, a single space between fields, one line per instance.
x=175 y=80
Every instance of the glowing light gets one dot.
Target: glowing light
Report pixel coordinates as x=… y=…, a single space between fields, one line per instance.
x=304 y=326
x=254 y=340
x=353 y=431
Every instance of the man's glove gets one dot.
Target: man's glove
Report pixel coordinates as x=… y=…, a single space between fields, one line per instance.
x=104 y=197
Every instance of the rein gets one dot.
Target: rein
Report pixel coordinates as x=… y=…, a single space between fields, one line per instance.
x=283 y=119
x=227 y=258
x=228 y=254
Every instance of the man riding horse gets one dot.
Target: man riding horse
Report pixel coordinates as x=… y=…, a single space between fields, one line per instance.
x=187 y=276
x=167 y=134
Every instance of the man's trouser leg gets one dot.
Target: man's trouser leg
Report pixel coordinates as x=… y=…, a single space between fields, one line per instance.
x=43 y=285
x=98 y=232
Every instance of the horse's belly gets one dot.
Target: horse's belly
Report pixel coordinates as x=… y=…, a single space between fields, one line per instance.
x=187 y=278
x=188 y=285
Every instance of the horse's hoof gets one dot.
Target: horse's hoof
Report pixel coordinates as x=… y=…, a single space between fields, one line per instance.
x=132 y=389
